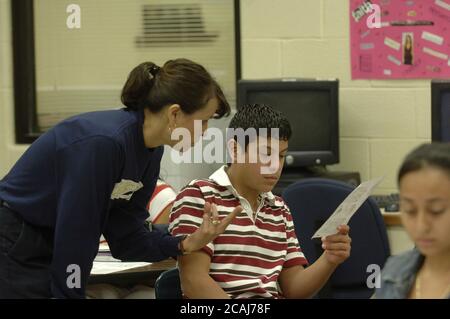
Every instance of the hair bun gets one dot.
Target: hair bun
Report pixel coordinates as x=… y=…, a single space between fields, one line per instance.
x=154 y=69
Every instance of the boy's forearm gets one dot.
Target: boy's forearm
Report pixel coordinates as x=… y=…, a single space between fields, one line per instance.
x=202 y=287
x=308 y=282
x=196 y=282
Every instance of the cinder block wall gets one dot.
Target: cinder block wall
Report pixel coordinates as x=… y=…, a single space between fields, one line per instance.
x=380 y=121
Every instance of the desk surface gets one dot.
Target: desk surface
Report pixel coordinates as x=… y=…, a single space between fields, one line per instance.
x=146 y=274
x=391 y=218
x=132 y=267
x=158 y=266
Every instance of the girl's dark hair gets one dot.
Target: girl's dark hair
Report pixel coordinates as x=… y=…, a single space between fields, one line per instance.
x=426 y=155
x=178 y=81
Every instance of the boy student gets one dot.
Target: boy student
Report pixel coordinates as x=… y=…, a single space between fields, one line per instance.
x=258 y=255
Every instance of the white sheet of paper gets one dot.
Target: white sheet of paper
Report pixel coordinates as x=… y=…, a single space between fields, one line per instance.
x=105 y=263
x=106 y=257
x=347 y=208
x=110 y=267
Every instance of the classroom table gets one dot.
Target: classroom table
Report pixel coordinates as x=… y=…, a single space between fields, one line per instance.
x=141 y=273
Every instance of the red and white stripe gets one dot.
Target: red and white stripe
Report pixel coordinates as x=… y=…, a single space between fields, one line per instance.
x=248 y=257
x=162 y=197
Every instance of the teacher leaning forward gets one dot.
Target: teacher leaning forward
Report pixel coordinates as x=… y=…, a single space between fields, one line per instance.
x=93 y=174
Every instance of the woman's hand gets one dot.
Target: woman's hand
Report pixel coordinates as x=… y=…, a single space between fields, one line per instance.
x=210 y=228
x=337 y=247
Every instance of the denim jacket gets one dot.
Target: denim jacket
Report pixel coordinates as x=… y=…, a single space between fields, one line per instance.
x=399 y=274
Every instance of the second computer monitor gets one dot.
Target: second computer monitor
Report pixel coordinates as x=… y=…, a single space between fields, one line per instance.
x=312 y=109
x=440 y=111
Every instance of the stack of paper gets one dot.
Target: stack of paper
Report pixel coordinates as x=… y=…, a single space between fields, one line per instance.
x=105 y=263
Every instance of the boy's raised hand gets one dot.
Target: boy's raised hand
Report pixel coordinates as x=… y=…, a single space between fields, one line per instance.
x=337 y=247
x=211 y=227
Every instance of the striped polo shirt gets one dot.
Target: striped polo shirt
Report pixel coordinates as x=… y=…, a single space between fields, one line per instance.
x=248 y=257
x=163 y=196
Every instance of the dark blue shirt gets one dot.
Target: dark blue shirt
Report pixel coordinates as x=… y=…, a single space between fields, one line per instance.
x=90 y=174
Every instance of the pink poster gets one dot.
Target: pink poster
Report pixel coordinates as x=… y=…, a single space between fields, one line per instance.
x=400 y=39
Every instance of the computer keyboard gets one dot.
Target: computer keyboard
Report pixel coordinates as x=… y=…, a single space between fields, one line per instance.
x=389 y=203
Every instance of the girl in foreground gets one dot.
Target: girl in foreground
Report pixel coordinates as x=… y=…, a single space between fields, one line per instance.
x=424 y=183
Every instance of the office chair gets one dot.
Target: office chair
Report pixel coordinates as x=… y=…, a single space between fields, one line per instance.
x=311 y=202
x=168 y=286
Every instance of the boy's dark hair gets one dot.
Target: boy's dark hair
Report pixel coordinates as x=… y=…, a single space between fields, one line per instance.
x=435 y=155
x=261 y=116
x=179 y=81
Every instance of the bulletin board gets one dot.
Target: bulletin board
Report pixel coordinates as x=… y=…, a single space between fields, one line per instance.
x=410 y=40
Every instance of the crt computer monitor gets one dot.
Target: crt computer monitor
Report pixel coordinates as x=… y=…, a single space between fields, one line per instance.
x=440 y=111
x=312 y=108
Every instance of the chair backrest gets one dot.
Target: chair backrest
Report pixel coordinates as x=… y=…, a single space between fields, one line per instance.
x=311 y=202
x=168 y=286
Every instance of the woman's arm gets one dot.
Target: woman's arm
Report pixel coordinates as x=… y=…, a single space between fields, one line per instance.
x=196 y=282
